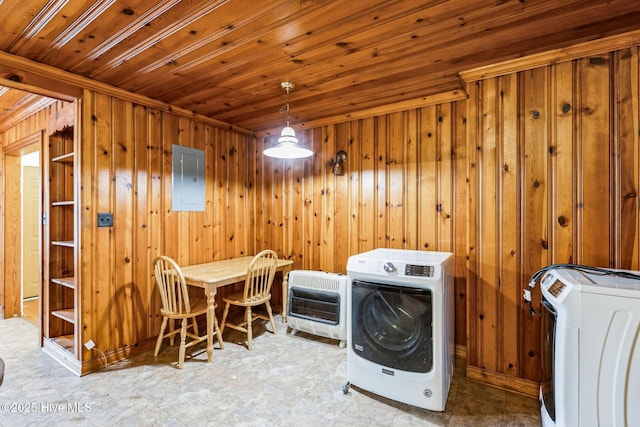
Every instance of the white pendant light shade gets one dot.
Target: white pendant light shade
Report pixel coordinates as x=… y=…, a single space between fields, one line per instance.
x=288 y=146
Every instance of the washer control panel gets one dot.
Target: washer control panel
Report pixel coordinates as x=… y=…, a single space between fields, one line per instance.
x=418 y=270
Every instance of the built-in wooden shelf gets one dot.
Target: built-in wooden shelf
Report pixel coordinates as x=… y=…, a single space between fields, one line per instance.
x=69 y=282
x=66 y=315
x=63 y=341
x=65 y=243
x=65 y=158
x=61 y=320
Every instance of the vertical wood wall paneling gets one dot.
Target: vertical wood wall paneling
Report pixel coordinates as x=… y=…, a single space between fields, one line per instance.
x=535 y=118
x=268 y=201
x=446 y=176
x=122 y=209
x=142 y=282
x=189 y=223
x=367 y=186
x=474 y=112
x=382 y=158
x=327 y=250
x=219 y=196
x=342 y=218
x=241 y=199
x=314 y=258
x=155 y=216
x=101 y=283
x=562 y=203
x=87 y=238
x=509 y=277
x=276 y=208
x=353 y=175
x=194 y=224
x=171 y=133
x=397 y=146
x=460 y=219
x=427 y=182
x=296 y=208
x=488 y=285
x=12 y=246
x=596 y=153
x=411 y=201
x=626 y=178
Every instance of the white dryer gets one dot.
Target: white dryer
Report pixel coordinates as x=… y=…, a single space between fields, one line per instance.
x=400 y=325
x=590 y=347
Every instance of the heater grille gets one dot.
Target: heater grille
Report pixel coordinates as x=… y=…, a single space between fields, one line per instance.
x=317 y=304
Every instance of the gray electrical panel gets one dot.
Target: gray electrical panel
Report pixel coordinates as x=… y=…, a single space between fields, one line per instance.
x=187 y=179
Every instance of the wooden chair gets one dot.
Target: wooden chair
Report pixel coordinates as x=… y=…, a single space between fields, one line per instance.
x=177 y=306
x=257 y=290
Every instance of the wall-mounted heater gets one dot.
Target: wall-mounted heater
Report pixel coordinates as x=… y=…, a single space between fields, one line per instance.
x=318 y=304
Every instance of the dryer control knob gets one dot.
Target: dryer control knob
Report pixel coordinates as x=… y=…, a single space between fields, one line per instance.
x=389 y=267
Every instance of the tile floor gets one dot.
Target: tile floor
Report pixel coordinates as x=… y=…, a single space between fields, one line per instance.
x=284 y=381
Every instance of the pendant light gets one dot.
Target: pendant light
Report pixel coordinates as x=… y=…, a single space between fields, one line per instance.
x=288 y=146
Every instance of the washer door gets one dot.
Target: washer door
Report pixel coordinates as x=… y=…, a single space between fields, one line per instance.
x=392 y=325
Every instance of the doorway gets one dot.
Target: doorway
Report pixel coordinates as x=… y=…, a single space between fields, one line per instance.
x=30 y=237
x=22 y=208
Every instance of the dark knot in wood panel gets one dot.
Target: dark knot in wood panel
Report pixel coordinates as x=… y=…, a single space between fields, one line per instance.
x=563 y=221
x=566 y=107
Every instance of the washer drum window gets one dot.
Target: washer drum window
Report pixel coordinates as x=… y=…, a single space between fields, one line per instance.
x=393 y=325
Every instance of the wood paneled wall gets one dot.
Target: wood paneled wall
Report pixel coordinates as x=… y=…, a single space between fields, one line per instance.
x=405 y=186
x=554 y=180
x=537 y=167
x=126 y=170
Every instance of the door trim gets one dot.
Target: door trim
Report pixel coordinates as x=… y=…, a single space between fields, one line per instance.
x=10 y=235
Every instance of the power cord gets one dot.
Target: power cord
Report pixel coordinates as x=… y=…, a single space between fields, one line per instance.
x=584 y=268
x=90 y=345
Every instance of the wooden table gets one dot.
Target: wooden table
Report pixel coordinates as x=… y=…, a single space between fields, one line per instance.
x=212 y=275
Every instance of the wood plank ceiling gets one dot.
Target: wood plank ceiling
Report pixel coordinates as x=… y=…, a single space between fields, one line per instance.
x=225 y=59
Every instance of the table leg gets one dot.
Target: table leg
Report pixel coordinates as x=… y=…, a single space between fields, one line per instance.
x=285 y=292
x=210 y=291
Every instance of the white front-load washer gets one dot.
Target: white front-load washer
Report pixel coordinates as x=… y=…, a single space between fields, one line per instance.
x=400 y=325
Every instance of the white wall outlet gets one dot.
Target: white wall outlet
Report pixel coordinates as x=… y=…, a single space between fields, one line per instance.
x=89 y=345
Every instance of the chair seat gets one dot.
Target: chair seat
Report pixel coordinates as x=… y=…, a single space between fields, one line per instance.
x=198 y=306
x=237 y=298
